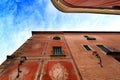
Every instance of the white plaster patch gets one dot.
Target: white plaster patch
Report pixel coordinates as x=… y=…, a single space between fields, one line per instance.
x=36 y=46
x=58 y=72
x=14 y=74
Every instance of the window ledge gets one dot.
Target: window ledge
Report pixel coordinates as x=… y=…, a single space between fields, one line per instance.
x=62 y=55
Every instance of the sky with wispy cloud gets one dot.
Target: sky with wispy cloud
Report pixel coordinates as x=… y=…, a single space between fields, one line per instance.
x=19 y=17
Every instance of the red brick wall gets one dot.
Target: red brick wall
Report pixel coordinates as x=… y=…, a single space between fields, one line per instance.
x=78 y=64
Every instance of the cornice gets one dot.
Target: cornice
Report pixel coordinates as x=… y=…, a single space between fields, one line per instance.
x=61 y=32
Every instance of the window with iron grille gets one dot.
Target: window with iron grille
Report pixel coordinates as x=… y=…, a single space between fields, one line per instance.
x=57 y=51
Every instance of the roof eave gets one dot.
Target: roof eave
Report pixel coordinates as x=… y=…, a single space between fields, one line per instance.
x=69 y=9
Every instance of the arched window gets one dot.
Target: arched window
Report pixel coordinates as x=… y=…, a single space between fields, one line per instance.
x=56 y=38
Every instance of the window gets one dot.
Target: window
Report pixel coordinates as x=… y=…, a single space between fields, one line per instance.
x=56 y=38
x=114 y=54
x=116 y=7
x=89 y=38
x=106 y=50
x=86 y=36
x=57 y=51
x=10 y=57
x=87 y=47
x=118 y=59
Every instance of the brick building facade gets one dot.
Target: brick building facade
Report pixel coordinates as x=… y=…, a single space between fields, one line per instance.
x=65 y=55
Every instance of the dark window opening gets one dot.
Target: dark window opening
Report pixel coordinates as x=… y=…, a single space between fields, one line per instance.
x=89 y=38
x=106 y=50
x=115 y=55
x=57 y=51
x=118 y=59
x=86 y=36
x=10 y=57
x=87 y=47
x=56 y=38
x=116 y=7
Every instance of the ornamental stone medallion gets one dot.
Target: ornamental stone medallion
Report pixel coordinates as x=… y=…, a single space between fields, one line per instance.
x=58 y=72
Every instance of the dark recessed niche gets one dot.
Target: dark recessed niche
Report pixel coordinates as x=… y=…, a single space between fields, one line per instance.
x=56 y=38
x=116 y=7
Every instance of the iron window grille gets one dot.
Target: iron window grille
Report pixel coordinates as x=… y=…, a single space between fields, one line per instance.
x=57 y=51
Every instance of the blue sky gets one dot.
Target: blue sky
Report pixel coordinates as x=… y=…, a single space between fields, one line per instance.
x=19 y=17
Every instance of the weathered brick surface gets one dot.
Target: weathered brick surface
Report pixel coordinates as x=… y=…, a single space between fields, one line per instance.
x=28 y=70
x=34 y=48
x=88 y=63
x=78 y=64
x=59 y=69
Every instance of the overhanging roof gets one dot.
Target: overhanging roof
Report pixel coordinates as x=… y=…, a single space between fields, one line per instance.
x=88 y=6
